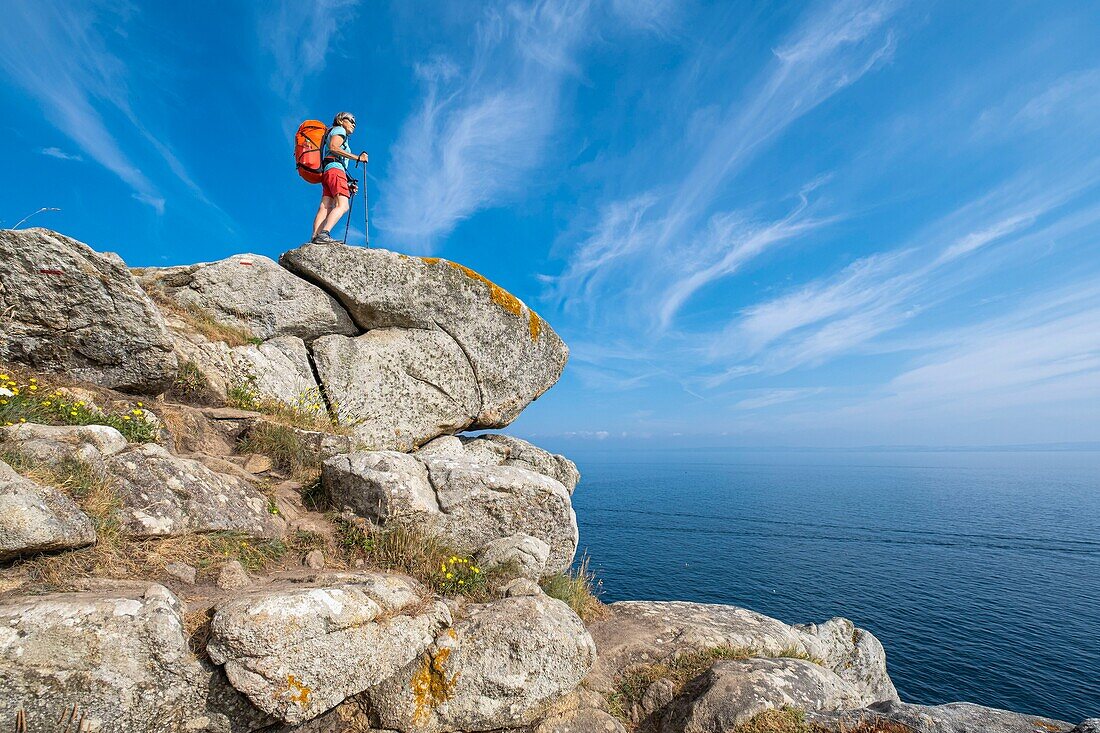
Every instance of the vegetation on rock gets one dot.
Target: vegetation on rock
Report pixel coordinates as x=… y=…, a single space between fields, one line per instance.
x=633 y=682
x=578 y=588
x=29 y=400
x=201 y=321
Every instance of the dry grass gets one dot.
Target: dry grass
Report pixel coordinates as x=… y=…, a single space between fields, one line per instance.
x=417 y=553
x=200 y=320
x=191 y=384
x=579 y=589
x=285 y=447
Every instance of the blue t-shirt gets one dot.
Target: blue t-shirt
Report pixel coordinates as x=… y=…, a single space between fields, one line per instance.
x=339 y=162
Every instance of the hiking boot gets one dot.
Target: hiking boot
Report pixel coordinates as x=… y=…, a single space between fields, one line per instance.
x=323 y=238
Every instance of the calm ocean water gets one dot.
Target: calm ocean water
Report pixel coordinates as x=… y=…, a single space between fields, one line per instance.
x=979 y=572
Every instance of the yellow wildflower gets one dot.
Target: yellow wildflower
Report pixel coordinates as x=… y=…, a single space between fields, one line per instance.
x=449 y=575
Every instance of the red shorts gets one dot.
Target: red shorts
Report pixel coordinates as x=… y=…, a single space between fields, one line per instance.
x=334 y=182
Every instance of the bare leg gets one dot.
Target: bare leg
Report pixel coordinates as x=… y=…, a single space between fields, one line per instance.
x=338 y=210
x=327 y=202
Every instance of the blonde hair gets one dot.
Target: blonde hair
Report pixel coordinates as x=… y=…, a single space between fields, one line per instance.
x=342 y=116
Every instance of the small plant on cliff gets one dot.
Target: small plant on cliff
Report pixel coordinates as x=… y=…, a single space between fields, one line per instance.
x=306 y=411
x=579 y=589
x=415 y=552
x=459 y=575
x=190 y=382
x=30 y=401
x=284 y=447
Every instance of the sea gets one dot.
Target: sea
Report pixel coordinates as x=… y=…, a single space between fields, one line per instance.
x=979 y=571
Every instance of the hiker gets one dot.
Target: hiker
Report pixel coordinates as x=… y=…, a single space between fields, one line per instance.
x=336 y=190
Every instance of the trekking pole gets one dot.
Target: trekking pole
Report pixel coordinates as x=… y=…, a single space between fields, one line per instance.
x=366 y=207
x=347 y=224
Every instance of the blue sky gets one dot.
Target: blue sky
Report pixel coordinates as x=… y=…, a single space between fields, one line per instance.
x=839 y=223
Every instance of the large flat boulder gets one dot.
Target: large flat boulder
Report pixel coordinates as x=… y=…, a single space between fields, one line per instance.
x=37 y=518
x=298 y=652
x=731 y=692
x=163 y=495
x=470 y=503
x=397 y=388
x=66 y=308
x=120 y=655
x=956 y=717
x=51 y=444
x=499 y=666
x=514 y=354
x=253 y=292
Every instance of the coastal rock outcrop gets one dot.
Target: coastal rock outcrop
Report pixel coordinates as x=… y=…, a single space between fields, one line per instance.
x=497 y=667
x=298 y=652
x=277 y=369
x=36 y=518
x=513 y=354
x=854 y=654
x=746 y=662
x=956 y=717
x=731 y=692
x=119 y=656
x=254 y=293
x=469 y=503
x=66 y=308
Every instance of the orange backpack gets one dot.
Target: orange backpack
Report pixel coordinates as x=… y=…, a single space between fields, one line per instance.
x=307 y=149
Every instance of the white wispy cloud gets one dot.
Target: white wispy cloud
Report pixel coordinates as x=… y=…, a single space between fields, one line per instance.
x=59 y=53
x=879 y=293
x=61 y=154
x=1042 y=358
x=770 y=397
x=482 y=124
x=299 y=36
x=55 y=53
x=677 y=240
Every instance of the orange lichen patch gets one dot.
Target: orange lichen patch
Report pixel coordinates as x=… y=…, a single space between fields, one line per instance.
x=497 y=294
x=534 y=323
x=296 y=692
x=430 y=684
x=1045 y=726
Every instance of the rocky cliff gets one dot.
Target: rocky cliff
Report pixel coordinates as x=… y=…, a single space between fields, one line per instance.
x=238 y=496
